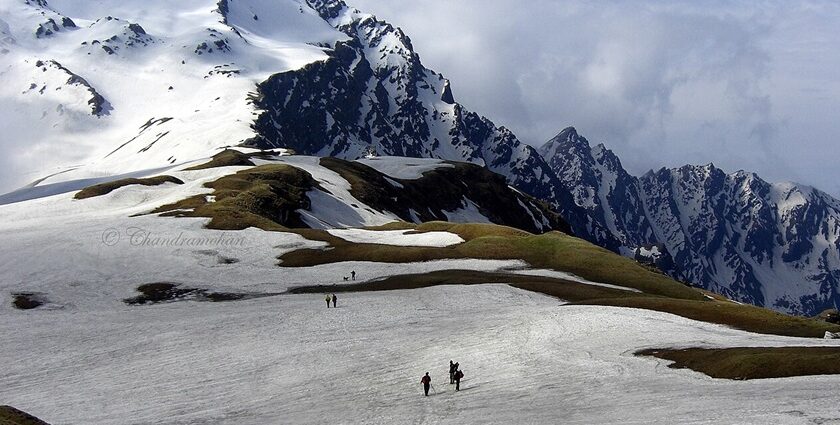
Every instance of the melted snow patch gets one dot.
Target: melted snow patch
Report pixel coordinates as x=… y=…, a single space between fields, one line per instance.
x=571 y=277
x=468 y=213
x=397 y=237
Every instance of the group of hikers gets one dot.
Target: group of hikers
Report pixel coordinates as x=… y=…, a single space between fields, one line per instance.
x=455 y=376
x=332 y=297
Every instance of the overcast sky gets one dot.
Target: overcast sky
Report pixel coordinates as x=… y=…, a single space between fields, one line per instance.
x=745 y=85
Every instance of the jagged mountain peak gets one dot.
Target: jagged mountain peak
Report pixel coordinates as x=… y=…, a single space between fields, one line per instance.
x=568 y=133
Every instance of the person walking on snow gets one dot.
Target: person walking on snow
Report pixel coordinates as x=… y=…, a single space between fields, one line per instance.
x=334 y=300
x=353 y=275
x=427 y=382
x=451 y=372
x=458 y=375
x=327 y=298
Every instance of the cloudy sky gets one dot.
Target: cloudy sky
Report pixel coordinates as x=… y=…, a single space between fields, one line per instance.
x=746 y=85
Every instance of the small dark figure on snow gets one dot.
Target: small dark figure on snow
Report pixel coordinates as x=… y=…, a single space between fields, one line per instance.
x=452 y=370
x=353 y=275
x=427 y=382
x=458 y=375
x=345 y=278
x=327 y=298
x=334 y=300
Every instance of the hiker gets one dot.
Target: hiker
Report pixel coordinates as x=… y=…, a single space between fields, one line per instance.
x=353 y=275
x=458 y=375
x=327 y=298
x=335 y=299
x=427 y=382
x=452 y=370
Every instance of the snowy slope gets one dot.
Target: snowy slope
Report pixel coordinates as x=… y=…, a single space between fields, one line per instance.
x=116 y=86
x=78 y=252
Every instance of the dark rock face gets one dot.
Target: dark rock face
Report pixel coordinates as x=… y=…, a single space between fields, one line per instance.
x=598 y=184
x=773 y=245
x=129 y=36
x=447 y=189
x=98 y=104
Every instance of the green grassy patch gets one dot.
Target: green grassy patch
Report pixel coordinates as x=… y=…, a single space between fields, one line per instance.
x=105 y=188
x=225 y=158
x=739 y=316
x=753 y=362
x=564 y=289
x=554 y=250
x=265 y=197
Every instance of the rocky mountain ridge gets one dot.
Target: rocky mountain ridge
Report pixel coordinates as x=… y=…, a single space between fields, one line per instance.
x=769 y=244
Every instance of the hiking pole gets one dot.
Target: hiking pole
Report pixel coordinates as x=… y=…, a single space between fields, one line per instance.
x=433 y=388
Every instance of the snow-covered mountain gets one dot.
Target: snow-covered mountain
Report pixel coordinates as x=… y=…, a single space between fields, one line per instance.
x=94 y=88
x=769 y=244
x=373 y=93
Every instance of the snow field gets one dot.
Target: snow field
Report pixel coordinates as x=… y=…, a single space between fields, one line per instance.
x=397 y=237
x=288 y=359
x=404 y=168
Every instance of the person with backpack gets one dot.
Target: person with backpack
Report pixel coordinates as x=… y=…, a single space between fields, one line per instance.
x=427 y=382
x=334 y=300
x=353 y=274
x=458 y=375
x=451 y=372
x=327 y=298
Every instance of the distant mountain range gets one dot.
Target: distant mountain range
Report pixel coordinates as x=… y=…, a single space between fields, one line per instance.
x=769 y=244
x=322 y=78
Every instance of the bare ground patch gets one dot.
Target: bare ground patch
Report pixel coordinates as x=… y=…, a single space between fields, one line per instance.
x=28 y=300
x=11 y=416
x=155 y=293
